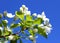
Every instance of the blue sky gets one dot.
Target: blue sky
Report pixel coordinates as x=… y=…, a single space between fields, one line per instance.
x=51 y=9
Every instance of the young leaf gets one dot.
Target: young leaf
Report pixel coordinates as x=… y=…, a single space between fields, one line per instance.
x=37 y=21
x=14 y=25
x=28 y=18
x=42 y=32
x=20 y=15
x=4 y=23
x=29 y=23
x=31 y=32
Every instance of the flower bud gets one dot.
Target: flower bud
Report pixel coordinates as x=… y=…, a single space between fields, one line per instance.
x=5 y=13
x=6 y=21
x=35 y=30
x=23 y=6
x=31 y=37
x=11 y=37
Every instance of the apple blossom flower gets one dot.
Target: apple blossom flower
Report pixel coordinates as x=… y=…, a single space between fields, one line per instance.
x=43 y=15
x=9 y=29
x=31 y=37
x=28 y=13
x=6 y=21
x=1 y=28
x=34 y=14
x=39 y=16
x=9 y=15
x=35 y=30
x=47 y=29
x=23 y=9
x=11 y=37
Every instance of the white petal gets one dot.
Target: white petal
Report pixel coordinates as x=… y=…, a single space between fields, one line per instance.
x=39 y=16
x=11 y=37
x=35 y=14
x=1 y=28
x=23 y=6
x=35 y=30
x=6 y=21
x=47 y=29
x=26 y=9
x=46 y=19
x=31 y=37
x=9 y=29
x=21 y=9
x=28 y=13
x=46 y=22
x=41 y=25
x=9 y=15
x=50 y=25
x=43 y=15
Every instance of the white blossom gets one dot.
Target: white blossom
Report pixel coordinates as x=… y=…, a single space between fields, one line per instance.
x=23 y=6
x=1 y=28
x=6 y=21
x=41 y=25
x=9 y=29
x=35 y=30
x=28 y=13
x=9 y=15
x=47 y=29
x=43 y=15
x=31 y=37
x=34 y=14
x=23 y=9
x=39 y=16
x=11 y=37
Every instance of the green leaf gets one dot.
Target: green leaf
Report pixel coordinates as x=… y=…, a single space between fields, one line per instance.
x=13 y=41
x=20 y=41
x=20 y=15
x=28 y=18
x=38 y=21
x=4 y=23
x=6 y=32
x=31 y=32
x=42 y=32
x=14 y=25
x=29 y=23
x=16 y=37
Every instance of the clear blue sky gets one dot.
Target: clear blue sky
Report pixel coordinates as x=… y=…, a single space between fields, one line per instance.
x=51 y=9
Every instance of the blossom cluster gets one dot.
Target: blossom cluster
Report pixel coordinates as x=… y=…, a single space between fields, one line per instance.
x=40 y=20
